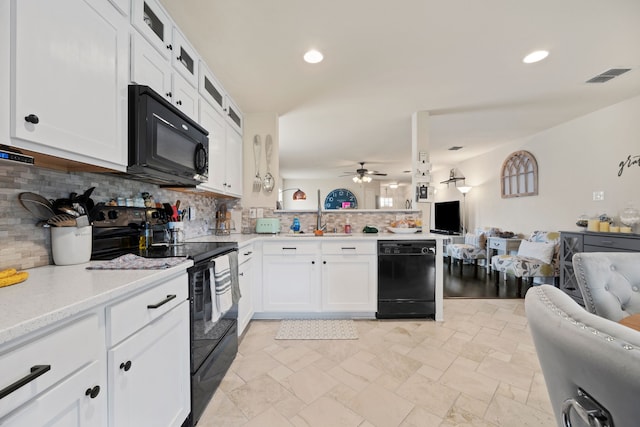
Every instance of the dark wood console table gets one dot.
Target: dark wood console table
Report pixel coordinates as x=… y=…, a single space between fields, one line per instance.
x=572 y=242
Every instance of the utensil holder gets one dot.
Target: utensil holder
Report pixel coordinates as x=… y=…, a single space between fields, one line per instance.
x=71 y=245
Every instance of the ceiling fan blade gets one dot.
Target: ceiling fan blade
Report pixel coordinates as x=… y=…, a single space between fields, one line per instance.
x=378 y=174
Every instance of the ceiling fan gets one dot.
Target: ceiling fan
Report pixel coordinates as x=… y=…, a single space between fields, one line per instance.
x=363 y=174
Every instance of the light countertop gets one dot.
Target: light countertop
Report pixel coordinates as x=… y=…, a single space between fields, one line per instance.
x=54 y=292
x=245 y=239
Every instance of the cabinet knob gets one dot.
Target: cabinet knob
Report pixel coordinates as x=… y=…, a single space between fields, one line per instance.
x=170 y=47
x=126 y=365
x=93 y=392
x=313 y=262
x=240 y=274
x=324 y=262
x=169 y=95
x=32 y=118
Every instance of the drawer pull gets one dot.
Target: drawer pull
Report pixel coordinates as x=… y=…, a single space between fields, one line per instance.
x=93 y=392
x=247 y=253
x=350 y=248
x=607 y=242
x=126 y=365
x=285 y=248
x=36 y=371
x=163 y=302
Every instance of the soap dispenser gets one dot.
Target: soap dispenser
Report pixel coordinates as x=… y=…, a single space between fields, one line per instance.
x=295 y=227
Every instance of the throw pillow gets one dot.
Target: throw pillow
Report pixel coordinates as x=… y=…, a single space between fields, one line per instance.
x=539 y=250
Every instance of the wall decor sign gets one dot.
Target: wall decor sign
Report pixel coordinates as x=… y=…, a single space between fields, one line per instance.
x=519 y=175
x=628 y=163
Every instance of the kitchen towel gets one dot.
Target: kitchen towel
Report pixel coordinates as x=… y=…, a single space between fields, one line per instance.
x=222 y=280
x=135 y=262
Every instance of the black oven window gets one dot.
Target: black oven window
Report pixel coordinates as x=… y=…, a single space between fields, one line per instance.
x=170 y=145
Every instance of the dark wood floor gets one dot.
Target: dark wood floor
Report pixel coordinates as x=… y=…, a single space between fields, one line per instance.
x=480 y=285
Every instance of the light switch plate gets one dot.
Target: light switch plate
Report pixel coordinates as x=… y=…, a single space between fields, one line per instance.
x=252 y=213
x=260 y=212
x=598 y=196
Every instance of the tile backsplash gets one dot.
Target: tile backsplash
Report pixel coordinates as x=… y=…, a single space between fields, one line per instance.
x=26 y=245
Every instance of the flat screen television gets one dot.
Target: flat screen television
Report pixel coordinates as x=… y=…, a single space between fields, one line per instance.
x=447 y=217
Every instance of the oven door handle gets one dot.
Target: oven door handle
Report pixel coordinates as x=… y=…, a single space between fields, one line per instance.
x=161 y=303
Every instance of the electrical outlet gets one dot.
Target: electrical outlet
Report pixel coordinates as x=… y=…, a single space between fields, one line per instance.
x=252 y=213
x=260 y=212
x=598 y=196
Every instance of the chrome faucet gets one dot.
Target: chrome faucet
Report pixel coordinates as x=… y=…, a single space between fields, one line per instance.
x=319 y=225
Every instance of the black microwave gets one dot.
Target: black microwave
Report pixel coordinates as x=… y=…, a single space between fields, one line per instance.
x=166 y=147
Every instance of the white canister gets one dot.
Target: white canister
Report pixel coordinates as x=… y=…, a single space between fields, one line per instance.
x=71 y=245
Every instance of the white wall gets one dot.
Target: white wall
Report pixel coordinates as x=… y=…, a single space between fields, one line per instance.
x=262 y=124
x=574 y=160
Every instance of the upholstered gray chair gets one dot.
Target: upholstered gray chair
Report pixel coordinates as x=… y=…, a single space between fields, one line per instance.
x=591 y=365
x=609 y=283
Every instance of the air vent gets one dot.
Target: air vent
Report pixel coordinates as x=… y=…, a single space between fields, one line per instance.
x=455 y=148
x=608 y=75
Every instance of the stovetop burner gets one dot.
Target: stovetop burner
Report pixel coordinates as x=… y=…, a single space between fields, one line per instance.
x=196 y=251
x=117 y=228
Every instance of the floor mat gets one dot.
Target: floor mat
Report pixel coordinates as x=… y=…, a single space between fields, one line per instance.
x=317 y=329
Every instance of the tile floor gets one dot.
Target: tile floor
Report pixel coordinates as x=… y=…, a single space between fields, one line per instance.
x=477 y=368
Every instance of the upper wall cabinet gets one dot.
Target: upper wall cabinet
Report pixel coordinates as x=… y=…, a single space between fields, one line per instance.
x=69 y=84
x=149 y=68
x=234 y=116
x=156 y=26
x=210 y=89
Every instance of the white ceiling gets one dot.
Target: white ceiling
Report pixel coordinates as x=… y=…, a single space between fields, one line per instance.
x=461 y=60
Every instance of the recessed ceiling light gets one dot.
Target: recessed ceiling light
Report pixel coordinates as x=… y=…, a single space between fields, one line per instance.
x=536 y=56
x=313 y=56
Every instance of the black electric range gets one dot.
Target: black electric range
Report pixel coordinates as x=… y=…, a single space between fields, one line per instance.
x=214 y=342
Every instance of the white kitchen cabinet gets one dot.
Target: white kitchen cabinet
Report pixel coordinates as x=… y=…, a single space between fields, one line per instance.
x=77 y=401
x=69 y=357
x=246 y=278
x=210 y=89
x=151 y=20
x=234 y=116
x=331 y=276
x=225 y=152
x=149 y=68
x=148 y=374
x=291 y=277
x=349 y=277
x=69 y=86
x=185 y=97
x=233 y=162
x=184 y=58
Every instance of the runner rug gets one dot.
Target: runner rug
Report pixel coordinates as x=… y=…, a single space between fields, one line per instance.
x=317 y=329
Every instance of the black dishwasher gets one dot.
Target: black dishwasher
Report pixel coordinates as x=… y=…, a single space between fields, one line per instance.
x=406 y=279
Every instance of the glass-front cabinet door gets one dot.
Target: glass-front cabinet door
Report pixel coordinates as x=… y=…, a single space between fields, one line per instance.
x=154 y=24
x=185 y=58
